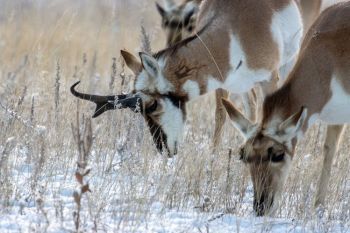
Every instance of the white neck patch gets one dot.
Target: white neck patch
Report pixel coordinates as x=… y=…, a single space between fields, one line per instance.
x=172 y=124
x=191 y=88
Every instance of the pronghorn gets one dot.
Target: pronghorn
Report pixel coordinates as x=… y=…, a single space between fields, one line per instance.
x=178 y=20
x=317 y=88
x=239 y=44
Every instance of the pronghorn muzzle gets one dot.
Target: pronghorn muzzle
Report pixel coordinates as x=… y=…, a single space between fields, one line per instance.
x=105 y=103
x=262 y=204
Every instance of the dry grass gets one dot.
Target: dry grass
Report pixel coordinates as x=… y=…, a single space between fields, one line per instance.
x=45 y=47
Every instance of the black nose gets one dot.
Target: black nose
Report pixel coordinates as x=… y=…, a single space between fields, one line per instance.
x=262 y=205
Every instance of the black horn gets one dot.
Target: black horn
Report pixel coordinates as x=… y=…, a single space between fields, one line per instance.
x=105 y=103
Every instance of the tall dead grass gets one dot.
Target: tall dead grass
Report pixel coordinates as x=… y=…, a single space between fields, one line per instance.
x=45 y=47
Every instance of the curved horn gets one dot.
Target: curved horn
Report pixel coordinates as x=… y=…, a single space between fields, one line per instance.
x=105 y=103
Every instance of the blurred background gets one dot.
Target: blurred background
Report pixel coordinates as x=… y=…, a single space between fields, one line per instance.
x=46 y=46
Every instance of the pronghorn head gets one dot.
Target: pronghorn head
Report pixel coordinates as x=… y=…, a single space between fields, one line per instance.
x=268 y=151
x=178 y=20
x=161 y=101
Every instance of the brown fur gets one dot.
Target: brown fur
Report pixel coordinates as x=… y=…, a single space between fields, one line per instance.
x=261 y=54
x=310 y=10
x=325 y=51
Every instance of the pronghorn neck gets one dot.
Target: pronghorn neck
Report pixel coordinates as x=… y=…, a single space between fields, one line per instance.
x=197 y=65
x=229 y=56
x=320 y=79
x=224 y=54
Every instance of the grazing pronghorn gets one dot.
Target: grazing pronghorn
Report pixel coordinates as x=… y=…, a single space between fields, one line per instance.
x=178 y=21
x=239 y=44
x=317 y=88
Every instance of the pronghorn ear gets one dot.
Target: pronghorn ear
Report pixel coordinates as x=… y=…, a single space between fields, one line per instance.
x=150 y=64
x=161 y=10
x=238 y=119
x=131 y=61
x=190 y=9
x=293 y=124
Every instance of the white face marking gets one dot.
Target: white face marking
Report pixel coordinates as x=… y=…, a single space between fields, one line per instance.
x=287 y=31
x=172 y=124
x=145 y=82
x=271 y=128
x=281 y=177
x=242 y=79
x=272 y=131
x=337 y=110
x=191 y=88
x=251 y=132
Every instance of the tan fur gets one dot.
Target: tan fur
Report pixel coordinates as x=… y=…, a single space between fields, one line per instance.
x=325 y=53
x=261 y=54
x=132 y=62
x=176 y=35
x=202 y=62
x=330 y=147
x=266 y=57
x=310 y=10
x=325 y=50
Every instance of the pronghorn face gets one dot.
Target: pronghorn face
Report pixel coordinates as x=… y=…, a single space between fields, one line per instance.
x=268 y=161
x=162 y=105
x=154 y=96
x=178 y=20
x=268 y=152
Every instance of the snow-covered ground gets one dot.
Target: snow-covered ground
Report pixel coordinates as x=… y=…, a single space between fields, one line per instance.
x=45 y=204
x=46 y=46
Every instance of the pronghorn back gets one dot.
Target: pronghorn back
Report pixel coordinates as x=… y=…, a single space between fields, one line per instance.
x=324 y=57
x=317 y=88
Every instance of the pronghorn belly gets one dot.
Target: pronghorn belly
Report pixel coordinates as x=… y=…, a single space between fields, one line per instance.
x=337 y=110
x=287 y=31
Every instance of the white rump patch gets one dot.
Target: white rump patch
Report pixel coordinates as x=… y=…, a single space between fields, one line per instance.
x=191 y=88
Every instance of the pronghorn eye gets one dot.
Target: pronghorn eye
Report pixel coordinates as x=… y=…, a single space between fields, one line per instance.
x=278 y=158
x=152 y=108
x=270 y=152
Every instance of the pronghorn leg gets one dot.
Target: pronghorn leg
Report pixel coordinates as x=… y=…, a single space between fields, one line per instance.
x=270 y=86
x=250 y=104
x=309 y=10
x=220 y=116
x=330 y=147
